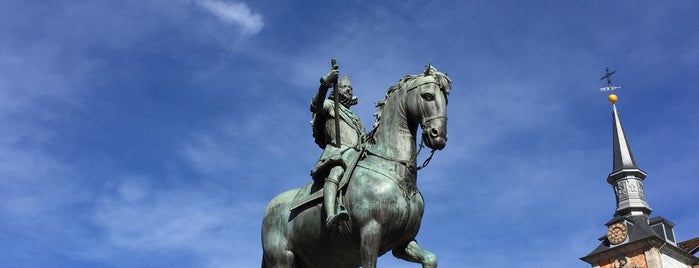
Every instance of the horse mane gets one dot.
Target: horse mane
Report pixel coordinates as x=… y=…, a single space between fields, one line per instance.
x=443 y=81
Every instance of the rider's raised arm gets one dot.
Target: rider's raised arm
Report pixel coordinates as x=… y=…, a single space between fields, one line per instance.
x=319 y=98
x=325 y=83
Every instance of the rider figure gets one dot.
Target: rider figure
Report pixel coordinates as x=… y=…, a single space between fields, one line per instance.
x=334 y=160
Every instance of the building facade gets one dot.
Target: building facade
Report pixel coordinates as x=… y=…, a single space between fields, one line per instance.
x=634 y=239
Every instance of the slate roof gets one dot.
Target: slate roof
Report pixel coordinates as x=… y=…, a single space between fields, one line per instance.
x=637 y=229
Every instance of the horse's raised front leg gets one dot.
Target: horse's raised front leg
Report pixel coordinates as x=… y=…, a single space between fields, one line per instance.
x=412 y=252
x=370 y=236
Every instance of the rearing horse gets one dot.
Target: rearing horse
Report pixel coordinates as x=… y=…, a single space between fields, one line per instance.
x=381 y=197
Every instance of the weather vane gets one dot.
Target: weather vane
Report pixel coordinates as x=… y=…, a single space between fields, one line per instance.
x=608 y=76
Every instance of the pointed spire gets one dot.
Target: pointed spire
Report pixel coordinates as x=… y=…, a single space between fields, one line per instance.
x=623 y=158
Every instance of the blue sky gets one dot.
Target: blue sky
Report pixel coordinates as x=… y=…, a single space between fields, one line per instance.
x=153 y=133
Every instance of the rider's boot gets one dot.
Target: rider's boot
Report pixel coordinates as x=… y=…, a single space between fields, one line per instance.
x=329 y=196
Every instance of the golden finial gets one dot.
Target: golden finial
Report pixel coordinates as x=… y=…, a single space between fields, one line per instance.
x=612 y=98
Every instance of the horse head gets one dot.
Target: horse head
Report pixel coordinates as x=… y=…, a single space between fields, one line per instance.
x=429 y=106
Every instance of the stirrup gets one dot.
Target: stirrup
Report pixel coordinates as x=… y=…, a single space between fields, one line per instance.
x=343 y=215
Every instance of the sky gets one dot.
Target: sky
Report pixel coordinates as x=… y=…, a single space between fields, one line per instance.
x=153 y=133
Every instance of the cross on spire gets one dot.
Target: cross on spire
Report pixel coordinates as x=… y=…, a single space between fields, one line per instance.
x=608 y=77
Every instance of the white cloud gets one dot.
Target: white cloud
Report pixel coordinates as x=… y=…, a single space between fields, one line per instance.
x=166 y=221
x=235 y=13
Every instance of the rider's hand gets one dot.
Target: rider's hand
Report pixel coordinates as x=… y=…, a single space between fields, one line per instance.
x=331 y=77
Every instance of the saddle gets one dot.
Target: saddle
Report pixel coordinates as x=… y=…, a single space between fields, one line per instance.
x=312 y=193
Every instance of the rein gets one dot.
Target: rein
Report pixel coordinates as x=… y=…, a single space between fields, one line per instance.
x=427 y=161
x=407 y=163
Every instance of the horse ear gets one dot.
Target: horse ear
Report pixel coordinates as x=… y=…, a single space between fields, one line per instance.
x=427 y=70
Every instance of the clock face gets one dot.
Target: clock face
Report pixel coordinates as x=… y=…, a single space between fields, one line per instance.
x=616 y=233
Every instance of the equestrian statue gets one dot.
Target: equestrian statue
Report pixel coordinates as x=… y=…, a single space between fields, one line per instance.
x=363 y=200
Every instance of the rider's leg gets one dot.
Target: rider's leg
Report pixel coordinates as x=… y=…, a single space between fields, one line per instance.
x=330 y=194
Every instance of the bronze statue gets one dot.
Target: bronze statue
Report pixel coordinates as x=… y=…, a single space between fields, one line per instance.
x=339 y=132
x=384 y=205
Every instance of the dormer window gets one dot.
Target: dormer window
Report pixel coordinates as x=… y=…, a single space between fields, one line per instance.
x=663 y=228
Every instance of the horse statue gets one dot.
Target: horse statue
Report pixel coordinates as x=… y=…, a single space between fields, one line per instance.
x=381 y=197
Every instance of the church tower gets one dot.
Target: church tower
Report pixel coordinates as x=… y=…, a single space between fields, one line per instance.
x=633 y=238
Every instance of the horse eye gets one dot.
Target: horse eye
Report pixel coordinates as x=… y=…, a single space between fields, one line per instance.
x=427 y=96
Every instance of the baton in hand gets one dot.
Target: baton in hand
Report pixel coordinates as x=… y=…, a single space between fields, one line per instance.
x=336 y=98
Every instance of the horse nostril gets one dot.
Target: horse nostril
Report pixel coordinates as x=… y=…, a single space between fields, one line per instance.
x=434 y=133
